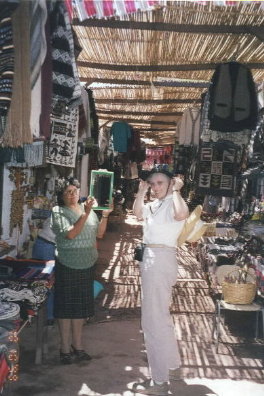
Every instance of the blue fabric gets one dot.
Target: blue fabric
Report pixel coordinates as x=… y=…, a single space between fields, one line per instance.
x=98 y=287
x=43 y=250
x=121 y=133
x=50 y=305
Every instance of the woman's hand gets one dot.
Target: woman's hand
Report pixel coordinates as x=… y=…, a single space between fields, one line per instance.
x=107 y=212
x=143 y=187
x=88 y=204
x=177 y=183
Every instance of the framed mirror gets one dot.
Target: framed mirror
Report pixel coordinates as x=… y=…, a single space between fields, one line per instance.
x=101 y=188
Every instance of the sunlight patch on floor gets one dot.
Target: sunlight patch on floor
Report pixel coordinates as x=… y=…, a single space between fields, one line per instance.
x=132 y=220
x=229 y=387
x=85 y=390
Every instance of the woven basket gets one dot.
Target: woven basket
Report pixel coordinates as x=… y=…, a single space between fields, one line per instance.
x=239 y=293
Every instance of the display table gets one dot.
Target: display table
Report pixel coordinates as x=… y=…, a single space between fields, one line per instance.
x=221 y=306
x=27 y=284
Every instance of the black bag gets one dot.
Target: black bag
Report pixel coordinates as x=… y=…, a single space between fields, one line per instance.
x=139 y=252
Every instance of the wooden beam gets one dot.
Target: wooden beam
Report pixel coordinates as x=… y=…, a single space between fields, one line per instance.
x=170 y=27
x=163 y=129
x=160 y=68
x=135 y=121
x=142 y=113
x=146 y=101
x=188 y=84
x=104 y=124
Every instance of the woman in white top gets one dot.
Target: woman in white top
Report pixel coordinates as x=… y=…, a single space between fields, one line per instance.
x=163 y=223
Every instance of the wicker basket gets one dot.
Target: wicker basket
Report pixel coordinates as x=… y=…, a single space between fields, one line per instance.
x=239 y=293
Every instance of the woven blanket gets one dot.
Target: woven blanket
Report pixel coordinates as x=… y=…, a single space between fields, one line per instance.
x=62 y=147
x=66 y=83
x=218 y=168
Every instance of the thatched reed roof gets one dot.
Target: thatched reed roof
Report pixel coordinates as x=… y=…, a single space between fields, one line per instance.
x=153 y=65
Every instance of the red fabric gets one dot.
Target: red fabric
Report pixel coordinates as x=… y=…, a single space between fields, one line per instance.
x=152 y=2
x=108 y=8
x=30 y=312
x=130 y=6
x=69 y=8
x=90 y=7
x=4 y=371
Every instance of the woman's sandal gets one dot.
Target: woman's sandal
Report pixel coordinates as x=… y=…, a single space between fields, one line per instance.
x=66 y=358
x=80 y=354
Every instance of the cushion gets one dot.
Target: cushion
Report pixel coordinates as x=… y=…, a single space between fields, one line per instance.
x=189 y=224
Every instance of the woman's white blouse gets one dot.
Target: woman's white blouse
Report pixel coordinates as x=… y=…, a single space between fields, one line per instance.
x=160 y=226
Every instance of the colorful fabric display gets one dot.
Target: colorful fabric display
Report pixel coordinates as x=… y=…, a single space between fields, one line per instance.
x=107 y=8
x=29 y=268
x=159 y=155
x=217 y=168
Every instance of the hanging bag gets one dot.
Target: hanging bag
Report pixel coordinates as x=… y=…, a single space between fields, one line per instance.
x=139 y=251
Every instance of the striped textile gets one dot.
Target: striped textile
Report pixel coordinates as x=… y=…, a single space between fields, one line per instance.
x=6 y=56
x=38 y=46
x=66 y=83
x=107 y=8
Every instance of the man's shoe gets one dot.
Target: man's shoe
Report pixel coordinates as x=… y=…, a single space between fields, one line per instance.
x=149 y=387
x=175 y=375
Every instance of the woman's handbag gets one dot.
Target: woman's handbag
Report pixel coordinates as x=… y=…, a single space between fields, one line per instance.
x=139 y=251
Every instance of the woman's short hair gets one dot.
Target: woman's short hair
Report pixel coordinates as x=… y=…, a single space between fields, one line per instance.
x=62 y=186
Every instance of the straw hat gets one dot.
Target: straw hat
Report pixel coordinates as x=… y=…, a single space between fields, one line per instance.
x=200 y=228
x=189 y=224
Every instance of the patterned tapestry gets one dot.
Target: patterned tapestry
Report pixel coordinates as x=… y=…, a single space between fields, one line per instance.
x=218 y=164
x=62 y=147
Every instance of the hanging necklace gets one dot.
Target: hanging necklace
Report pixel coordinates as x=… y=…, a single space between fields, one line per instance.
x=157 y=207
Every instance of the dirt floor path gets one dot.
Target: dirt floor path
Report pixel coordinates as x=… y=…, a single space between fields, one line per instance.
x=114 y=340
